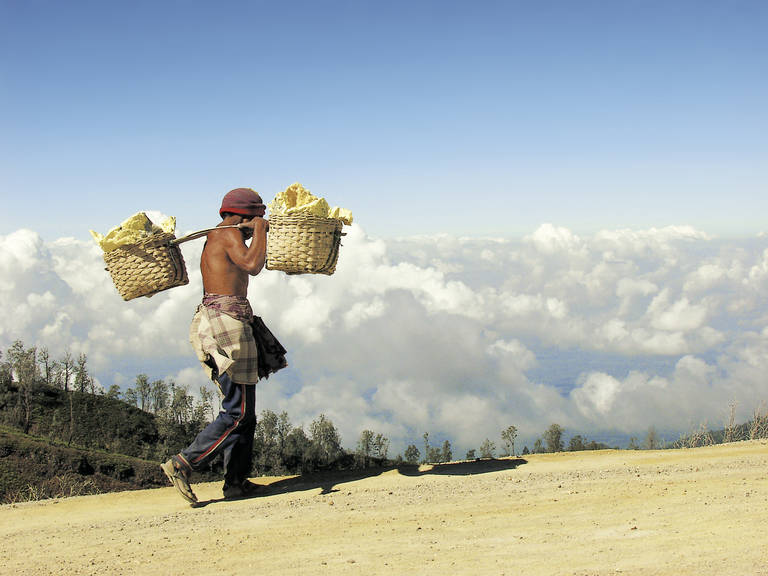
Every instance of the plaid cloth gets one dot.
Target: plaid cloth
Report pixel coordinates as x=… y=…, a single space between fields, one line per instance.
x=224 y=344
x=236 y=306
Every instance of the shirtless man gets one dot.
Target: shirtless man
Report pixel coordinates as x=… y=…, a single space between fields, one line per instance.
x=222 y=334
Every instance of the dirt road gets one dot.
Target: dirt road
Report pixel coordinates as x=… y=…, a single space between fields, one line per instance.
x=698 y=512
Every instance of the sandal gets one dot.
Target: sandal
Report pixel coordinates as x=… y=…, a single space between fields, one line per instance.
x=179 y=478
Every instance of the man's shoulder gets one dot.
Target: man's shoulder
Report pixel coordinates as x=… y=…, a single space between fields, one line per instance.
x=224 y=237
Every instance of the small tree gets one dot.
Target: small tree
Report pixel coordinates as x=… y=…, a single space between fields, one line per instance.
x=5 y=372
x=651 y=439
x=364 y=448
x=65 y=370
x=23 y=363
x=143 y=391
x=577 y=444
x=470 y=454
x=206 y=404
x=381 y=446
x=83 y=380
x=129 y=397
x=46 y=366
x=160 y=397
x=412 y=454
x=554 y=438
x=487 y=449
x=325 y=441
x=508 y=437
x=447 y=453
x=182 y=404
x=435 y=455
x=113 y=392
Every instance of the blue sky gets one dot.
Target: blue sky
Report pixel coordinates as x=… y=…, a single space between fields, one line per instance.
x=421 y=117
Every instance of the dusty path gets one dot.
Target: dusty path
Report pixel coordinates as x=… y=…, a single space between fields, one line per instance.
x=698 y=512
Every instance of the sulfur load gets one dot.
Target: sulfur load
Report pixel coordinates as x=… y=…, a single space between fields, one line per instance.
x=136 y=228
x=298 y=200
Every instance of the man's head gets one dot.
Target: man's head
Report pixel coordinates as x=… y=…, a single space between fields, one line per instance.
x=244 y=202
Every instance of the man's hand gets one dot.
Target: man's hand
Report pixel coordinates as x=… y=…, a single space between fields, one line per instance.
x=256 y=224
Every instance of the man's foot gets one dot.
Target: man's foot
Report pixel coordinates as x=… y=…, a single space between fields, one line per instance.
x=246 y=489
x=179 y=477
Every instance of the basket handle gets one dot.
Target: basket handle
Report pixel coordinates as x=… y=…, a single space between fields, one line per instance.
x=200 y=233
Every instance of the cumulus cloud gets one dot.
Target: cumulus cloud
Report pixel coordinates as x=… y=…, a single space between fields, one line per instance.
x=459 y=337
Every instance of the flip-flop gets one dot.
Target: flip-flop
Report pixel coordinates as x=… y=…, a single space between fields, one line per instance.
x=179 y=481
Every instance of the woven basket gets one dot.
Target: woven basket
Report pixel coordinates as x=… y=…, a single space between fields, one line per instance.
x=147 y=267
x=303 y=244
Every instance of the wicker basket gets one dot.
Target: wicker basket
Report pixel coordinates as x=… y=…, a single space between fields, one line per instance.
x=147 y=267
x=303 y=244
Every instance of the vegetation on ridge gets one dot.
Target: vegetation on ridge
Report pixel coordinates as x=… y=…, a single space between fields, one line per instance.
x=62 y=435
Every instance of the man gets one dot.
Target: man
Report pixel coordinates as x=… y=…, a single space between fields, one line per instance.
x=234 y=347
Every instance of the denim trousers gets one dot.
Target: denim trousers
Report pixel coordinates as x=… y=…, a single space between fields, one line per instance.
x=231 y=433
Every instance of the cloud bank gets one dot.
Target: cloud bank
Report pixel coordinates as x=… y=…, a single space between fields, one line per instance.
x=459 y=337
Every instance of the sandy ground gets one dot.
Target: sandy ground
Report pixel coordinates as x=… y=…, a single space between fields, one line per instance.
x=701 y=511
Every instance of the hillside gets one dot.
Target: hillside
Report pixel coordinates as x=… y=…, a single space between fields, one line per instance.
x=696 y=511
x=33 y=468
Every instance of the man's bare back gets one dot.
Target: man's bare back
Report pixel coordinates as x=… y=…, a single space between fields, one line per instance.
x=227 y=261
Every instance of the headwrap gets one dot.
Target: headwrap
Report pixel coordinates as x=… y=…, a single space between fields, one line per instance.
x=243 y=201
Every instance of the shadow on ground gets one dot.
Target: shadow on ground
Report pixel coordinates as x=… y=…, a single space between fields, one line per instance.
x=328 y=481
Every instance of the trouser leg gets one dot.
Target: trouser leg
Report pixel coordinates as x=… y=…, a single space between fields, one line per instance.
x=231 y=433
x=238 y=462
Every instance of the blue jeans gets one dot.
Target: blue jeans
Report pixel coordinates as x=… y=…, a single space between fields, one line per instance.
x=231 y=433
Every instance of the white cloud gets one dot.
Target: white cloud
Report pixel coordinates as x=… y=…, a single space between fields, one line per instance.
x=550 y=239
x=596 y=396
x=456 y=336
x=680 y=315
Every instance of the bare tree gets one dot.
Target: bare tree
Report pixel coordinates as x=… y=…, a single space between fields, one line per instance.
x=651 y=439
x=508 y=437
x=66 y=369
x=46 y=366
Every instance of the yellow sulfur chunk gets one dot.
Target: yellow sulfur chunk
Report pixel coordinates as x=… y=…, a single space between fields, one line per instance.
x=341 y=214
x=298 y=200
x=169 y=225
x=317 y=206
x=132 y=230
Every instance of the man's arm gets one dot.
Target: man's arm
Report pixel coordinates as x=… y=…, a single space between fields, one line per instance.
x=248 y=258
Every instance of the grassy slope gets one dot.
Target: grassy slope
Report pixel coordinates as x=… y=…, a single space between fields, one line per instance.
x=33 y=468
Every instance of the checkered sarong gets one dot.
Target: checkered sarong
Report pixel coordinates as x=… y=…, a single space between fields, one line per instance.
x=224 y=344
